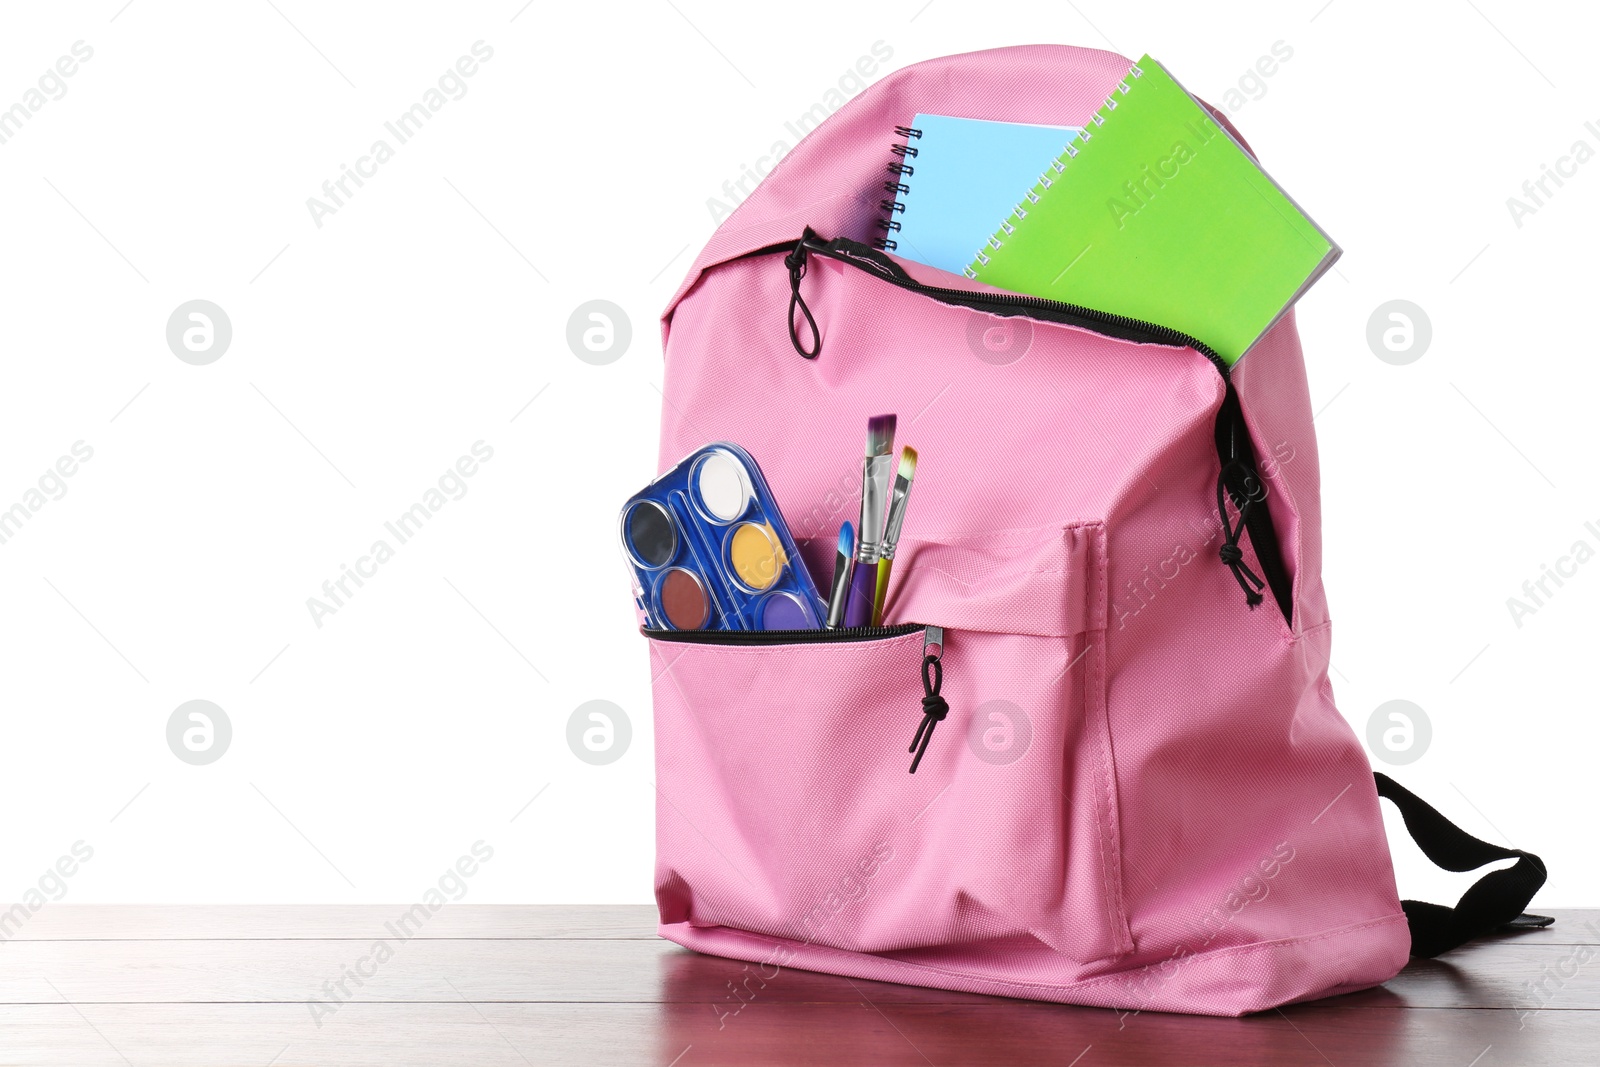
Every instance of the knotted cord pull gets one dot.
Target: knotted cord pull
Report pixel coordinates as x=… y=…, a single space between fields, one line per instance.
x=934 y=706
x=796 y=262
x=1230 y=553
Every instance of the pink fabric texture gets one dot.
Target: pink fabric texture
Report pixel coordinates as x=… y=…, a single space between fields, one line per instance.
x=1144 y=797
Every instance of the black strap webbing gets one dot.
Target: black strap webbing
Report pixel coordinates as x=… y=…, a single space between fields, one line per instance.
x=1496 y=900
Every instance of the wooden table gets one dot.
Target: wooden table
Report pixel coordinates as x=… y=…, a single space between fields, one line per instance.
x=86 y=984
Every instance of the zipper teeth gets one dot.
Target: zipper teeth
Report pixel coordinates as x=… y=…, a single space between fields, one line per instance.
x=783 y=637
x=1162 y=333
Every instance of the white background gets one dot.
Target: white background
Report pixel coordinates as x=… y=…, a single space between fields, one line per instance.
x=371 y=352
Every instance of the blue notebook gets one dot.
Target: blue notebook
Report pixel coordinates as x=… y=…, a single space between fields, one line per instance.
x=965 y=179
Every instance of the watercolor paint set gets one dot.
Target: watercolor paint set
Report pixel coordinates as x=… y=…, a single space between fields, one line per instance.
x=709 y=549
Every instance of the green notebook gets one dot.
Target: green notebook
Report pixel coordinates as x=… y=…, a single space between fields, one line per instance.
x=1156 y=213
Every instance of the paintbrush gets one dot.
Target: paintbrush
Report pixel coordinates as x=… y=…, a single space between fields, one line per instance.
x=869 y=531
x=842 y=568
x=891 y=537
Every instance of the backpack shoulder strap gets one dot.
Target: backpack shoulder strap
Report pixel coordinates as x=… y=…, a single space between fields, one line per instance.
x=1493 y=902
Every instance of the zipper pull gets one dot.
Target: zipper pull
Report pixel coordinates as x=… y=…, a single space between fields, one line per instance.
x=1238 y=481
x=796 y=262
x=934 y=706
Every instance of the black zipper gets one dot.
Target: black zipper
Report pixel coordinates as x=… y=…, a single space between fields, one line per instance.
x=1240 y=481
x=842 y=635
x=870 y=259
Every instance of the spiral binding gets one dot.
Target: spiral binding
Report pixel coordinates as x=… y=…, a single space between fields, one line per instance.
x=1057 y=166
x=899 y=168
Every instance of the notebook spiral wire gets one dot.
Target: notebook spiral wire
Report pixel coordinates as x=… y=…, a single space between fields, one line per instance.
x=900 y=168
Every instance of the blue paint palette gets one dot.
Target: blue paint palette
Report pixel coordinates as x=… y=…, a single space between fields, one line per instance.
x=709 y=550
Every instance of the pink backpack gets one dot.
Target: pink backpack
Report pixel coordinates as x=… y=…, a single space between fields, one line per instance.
x=1109 y=636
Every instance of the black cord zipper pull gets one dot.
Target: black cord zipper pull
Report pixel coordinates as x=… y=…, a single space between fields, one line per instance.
x=796 y=262
x=934 y=707
x=1230 y=552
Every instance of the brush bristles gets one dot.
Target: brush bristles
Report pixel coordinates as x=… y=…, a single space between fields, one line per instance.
x=908 y=463
x=847 y=540
x=880 y=435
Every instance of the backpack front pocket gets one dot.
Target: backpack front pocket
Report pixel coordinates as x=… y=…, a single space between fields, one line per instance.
x=784 y=803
